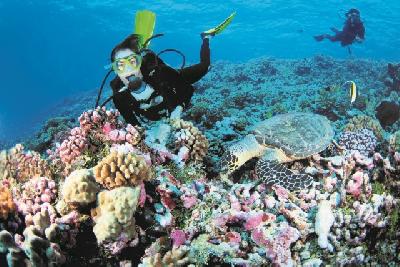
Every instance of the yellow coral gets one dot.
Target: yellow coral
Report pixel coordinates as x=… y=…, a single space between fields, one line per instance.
x=191 y=137
x=119 y=169
x=80 y=188
x=115 y=213
x=7 y=204
x=364 y=122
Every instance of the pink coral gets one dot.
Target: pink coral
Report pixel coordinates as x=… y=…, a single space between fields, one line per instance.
x=71 y=148
x=253 y=221
x=178 y=237
x=37 y=194
x=354 y=185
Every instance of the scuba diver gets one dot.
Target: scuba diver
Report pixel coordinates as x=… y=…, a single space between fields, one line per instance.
x=353 y=30
x=145 y=87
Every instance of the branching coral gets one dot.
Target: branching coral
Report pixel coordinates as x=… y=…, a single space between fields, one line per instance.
x=190 y=136
x=119 y=169
x=37 y=194
x=23 y=165
x=364 y=122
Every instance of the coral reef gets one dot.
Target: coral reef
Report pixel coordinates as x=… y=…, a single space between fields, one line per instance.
x=394 y=141
x=183 y=215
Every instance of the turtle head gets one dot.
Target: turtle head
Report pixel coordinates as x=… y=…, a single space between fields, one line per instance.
x=229 y=162
x=239 y=153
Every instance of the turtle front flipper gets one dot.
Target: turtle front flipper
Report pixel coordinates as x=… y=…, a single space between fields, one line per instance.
x=273 y=172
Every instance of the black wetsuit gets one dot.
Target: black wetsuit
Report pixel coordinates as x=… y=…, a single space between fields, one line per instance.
x=175 y=87
x=347 y=35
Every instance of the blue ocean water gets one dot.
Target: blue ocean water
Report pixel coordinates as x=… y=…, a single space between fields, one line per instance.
x=54 y=49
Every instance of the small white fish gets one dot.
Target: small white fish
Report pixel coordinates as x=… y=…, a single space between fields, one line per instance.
x=352 y=90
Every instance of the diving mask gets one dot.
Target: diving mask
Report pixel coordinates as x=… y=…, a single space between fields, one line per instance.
x=133 y=61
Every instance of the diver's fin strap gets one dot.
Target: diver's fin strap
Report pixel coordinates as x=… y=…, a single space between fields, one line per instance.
x=222 y=26
x=272 y=172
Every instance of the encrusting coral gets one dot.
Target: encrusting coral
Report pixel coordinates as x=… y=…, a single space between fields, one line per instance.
x=119 y=169
x=364 y=122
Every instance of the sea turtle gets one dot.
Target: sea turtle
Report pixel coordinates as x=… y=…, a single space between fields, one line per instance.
x=282 y=138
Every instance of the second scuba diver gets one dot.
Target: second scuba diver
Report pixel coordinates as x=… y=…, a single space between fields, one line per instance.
x=353 y=30
x=146 y=88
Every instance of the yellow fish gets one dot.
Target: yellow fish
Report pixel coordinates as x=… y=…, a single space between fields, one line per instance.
x=353 y=90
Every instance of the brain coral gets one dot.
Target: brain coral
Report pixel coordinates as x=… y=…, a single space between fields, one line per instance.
x=7 y=204
x=119 y=169
x=80 y=188
x=364 y=122
x=363 y=141
x=114 y=214
x=190 y=136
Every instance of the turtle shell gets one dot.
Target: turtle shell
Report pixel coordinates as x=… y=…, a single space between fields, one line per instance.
x=298 y=134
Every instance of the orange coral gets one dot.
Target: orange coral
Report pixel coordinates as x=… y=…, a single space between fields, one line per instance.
x=119 y=169
x=7 y=204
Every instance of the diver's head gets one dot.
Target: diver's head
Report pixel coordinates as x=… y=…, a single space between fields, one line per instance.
x=353 y=15
x=126 y=59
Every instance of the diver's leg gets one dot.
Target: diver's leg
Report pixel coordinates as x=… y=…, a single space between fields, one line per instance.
x=195 y=72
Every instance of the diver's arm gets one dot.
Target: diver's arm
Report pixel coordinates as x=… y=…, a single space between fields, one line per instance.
x=195 y=72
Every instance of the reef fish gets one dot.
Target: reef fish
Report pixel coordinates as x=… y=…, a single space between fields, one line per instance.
x=352 y=89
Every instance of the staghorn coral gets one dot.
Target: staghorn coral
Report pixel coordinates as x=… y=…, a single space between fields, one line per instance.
x=364 y=122
x=362 y=140
x=119 y=169
x=7 y=204
x=23 y=165
x=114 y=214
x=79 y=188
x=190 y=136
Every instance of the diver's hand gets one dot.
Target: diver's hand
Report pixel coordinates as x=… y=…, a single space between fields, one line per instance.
x=176 y=114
